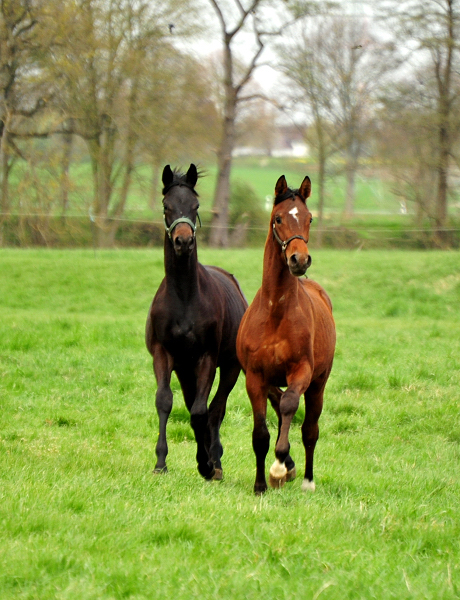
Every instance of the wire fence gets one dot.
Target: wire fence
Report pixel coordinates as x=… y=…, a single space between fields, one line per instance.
x=77 y=230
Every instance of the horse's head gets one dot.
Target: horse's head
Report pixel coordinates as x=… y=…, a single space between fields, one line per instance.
x=290 y=222
x=180 y=204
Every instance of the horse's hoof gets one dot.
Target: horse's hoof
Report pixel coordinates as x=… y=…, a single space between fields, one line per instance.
x=160 y=471
x=217 y=474
x=260 y=489
x=276 y=482
x=308 y=486
x=207 y=472
x=291 y=475
x=278 y=475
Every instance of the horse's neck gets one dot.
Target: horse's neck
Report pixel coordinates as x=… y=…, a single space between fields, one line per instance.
x=181 y=273
x=279 y=287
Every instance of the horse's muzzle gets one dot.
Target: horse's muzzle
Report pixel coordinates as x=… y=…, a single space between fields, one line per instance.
x=298 y=263
x=183 y=239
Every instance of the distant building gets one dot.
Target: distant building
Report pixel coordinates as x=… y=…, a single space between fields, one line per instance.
x=287 y=141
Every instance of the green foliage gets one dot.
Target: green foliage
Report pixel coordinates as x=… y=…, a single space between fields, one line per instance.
x=246 y=206
x=82 y=516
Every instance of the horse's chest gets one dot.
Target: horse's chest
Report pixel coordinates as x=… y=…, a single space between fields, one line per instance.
x=275 y=352
x=182 y=336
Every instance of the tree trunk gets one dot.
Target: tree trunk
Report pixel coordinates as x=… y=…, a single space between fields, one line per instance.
x=65 y=180
x=321 y=182
x=443 y=186
x=219 y=223
x=350 y=192
x=4 y=180
x=155 y=184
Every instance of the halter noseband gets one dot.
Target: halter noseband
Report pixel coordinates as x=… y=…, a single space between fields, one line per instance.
x=169 y=229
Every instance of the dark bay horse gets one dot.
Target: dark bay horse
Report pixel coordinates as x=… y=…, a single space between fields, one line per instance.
x=287 y=339
x=192 y=327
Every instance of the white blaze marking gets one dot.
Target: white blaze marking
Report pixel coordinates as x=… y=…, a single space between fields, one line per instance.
x=278 y=470
x=294 y=212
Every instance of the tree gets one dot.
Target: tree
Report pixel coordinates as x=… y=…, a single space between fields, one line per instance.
x=303 y=64
x=405 y=131
x=431 y=29
x=18 y=24
x=101 y=69
x=177 y=118
x=338 y=64
x=260 y=20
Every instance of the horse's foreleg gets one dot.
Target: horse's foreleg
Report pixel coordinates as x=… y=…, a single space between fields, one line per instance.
x=162 y=367
x=227 y=378
x=257 y=392
x=205 y=373
x=297 y=384
x=274 y=395
x=310 y=429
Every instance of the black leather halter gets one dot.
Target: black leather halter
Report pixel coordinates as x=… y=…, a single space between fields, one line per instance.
x=284 y=243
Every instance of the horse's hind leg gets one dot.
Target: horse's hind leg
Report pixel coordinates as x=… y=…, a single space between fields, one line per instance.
x=310 y=429
x=228 y=377
x=162 y=366
x=274 y=395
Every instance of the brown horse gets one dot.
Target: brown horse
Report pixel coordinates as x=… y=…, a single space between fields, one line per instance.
x=287 y=339
x=191 y=328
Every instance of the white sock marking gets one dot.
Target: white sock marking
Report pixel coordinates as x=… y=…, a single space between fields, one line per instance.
x=278 y=470
x=308 y=486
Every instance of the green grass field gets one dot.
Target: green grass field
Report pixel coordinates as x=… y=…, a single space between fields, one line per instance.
x=82 y=516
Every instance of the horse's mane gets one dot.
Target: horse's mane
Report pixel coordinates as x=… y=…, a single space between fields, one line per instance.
x=288 y=194
x=180 y=178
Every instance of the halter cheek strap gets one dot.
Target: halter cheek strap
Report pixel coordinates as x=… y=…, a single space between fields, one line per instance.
x=284 y=244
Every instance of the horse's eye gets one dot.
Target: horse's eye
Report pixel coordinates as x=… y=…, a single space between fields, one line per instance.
x=311 y=219
x=278 y=219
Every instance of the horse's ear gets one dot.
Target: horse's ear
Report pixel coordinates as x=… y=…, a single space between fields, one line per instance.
x=305 y=188
x=168 y=176
x=192 y=176
x=281 y=186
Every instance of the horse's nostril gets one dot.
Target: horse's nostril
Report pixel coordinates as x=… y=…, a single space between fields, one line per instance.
x=182 y=243
x=294 y=260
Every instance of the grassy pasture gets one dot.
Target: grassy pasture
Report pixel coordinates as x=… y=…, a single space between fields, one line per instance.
x=81 y=515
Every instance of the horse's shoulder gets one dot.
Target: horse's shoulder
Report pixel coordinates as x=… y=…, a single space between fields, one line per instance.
x=312 y=287
x=227 y=279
